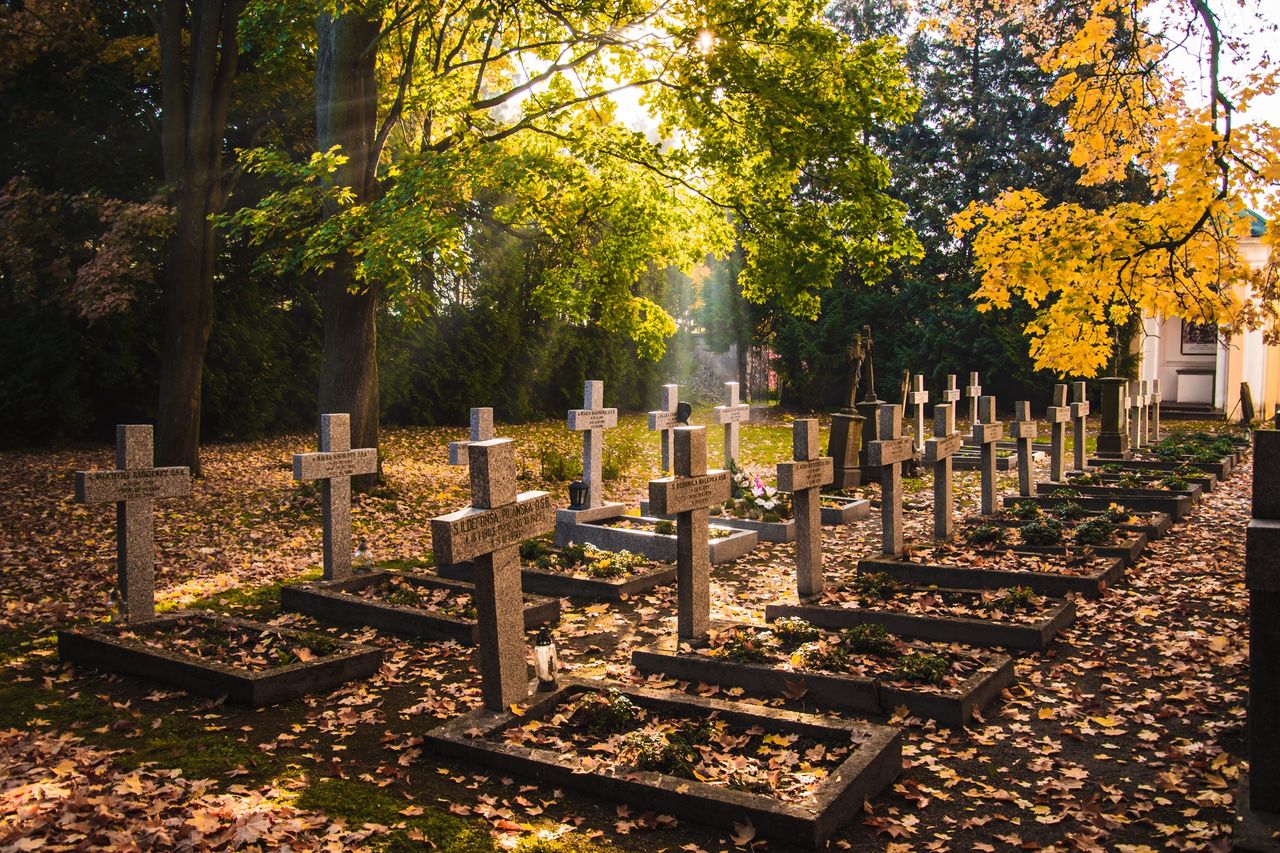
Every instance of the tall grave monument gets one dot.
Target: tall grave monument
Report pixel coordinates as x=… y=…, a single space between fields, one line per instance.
x=844 y=444
x=1113 y=436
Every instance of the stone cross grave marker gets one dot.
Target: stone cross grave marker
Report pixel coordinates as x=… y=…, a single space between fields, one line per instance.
x=133 y=488
x=1134 y=405
x=1113 y=439
x=1144 y=425
x=481 y=430
x=664 y=421
x=689 y=496
x=804 y=477
x=1153 y=433
x=1262 y=579
x=592 y=420
x=1058 y=414
x=973 y=392
x=986 y=432
x=1023 y=430
x=335 y=465
x=731 y=415
x=938 y=451
x=1080 y=415
x=951 y=394
x=888 y=454
x=489 y=532
x=918 y=398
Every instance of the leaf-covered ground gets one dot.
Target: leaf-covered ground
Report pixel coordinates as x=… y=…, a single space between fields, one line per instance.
x=1126 y=735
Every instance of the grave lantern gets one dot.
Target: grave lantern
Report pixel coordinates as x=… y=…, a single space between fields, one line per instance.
x=578 y=494
x=545 y=662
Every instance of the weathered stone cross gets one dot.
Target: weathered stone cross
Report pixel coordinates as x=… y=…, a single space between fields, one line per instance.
x=1137 y=405
x=951 y=394
x=1154 y=419
x=973 y=392
x=481 y=430
x=1080 y=414
x=688 y=496
x=986 y=432
x=1023 y=430
x=803 y=477
x=335 y=465
x=592 y=420
x=1058 y=414
x=939 y=450
x=664 y=420
x=892 y=449
x=732 y=414
x=133 y=488
x=918 y=398
x=489 y=532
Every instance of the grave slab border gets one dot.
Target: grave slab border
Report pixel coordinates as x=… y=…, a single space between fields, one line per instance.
x=1052 y=584
x=1128 y=550
x=558 y=585
x=660 y=547
x=854 y=509
x=1221 y=470
x=768 y=531
x=1177 y=505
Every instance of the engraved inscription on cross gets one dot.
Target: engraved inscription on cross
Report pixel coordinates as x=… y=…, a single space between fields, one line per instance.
x=489 y=532
x=688 y=496
x=918 y=398
x=938 y=451
x=888 y=454
x=592 y=420
x=1023 y=430
x=481 y=430
x=664 y=421
x=986 y=432
x=335 y=465
x=973 y=392
x=1058 y=415
x=951 y=394
x=133 y=488
x=1079 y=415
x=731 y=415
x=804 y=477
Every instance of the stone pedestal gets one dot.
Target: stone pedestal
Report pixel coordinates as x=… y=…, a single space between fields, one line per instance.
x=1113 y=438
x=869 y=410
x=844 y=446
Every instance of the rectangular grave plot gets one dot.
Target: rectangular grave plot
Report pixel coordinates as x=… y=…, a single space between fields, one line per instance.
x=944 y=629
x=100 y=648
x=768 y=531
x=1100 y=497
x=849 y=510
x=870 y=768
x=1129 y=548
x=972 y=462
x=846 y=692
x=1220 y=470
x=727 y=544
x=1206 y=480
x=560 y=585
x=340 y=601
x=1194 y=489
x=1157 y=524
x=1052 y=584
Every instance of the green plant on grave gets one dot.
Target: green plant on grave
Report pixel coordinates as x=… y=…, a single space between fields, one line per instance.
x=533 y=549
x=607 y=565
x=1175 y=483
x=665 y=528
x=1131 y=481
x=792 y=631
x=986 y=534
x=1069 y=511
x=1048 y=531
x=924 y=667
x=557 y=463
x=876 y=585
x=743 y=644
x=823 y=655
x=1086 y=478
x=1026 y=510
x=1065 y=493
x=869 y=639
x=1094 y=532
x=659 y=752
x=605 y=713
x=1116 y=514
x=1111 y=468
x=1015 y=599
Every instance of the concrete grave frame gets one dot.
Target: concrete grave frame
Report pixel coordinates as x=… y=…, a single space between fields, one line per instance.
x=1110 y=571
x=849 y=510
x=1177 y=507
x=1157 y=525
x=558 y=585
x=730 y=544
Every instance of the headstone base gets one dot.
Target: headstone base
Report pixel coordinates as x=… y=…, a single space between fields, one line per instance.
x=1253 y=831
x=843 y=445
x=1113 y=445
x=609 y=509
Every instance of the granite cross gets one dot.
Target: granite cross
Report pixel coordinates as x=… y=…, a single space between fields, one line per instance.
x=986 y=433
x=939 y=450
x=489 y=532
x=664 y=421
x=1134 y=404
x=918 y=398
x=1058 y=414
x=481 y=430
x=336 y=464
x=592 y=420
x=133 y=488
x=731 y=415
x=1144 y=413
x=951 y=394
x=1080 y=414
x=1262 y=579
x=1023 y=430
x=688 y=496
x=973 y=392
x=892 y=449
x=803 y=477
x=1154 y=419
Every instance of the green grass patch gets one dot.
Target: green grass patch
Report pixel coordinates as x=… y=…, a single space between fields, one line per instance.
x=361 y=802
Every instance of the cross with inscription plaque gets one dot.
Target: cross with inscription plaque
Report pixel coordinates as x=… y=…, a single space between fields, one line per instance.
x=335 y=465
x=664 y=421
x=1079 y=414
x=688 y=496
x=133 y=488
x=489 y=532
x=732 y=414
x=1058 y=414
x=918 y=398
x=1153 y=432
x=888 y=454
x=481 y=430
x=986 y=432
x=951 y=394
x=803 y=477
x=1134 y=403
x=592 y=420
x=973 y=391
x=1023 y=430
x=939 y=450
